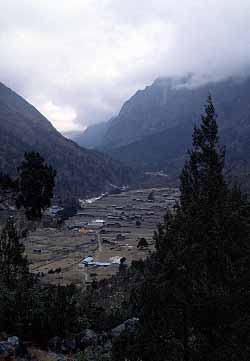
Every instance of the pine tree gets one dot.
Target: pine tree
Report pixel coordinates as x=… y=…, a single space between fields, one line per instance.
x=13 y=262
x=15 y=280
x=195 y=301
x=35 y=185
x=27 y=307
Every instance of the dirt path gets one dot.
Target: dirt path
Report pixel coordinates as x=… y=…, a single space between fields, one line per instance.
x=86 y=277
x=99 y=241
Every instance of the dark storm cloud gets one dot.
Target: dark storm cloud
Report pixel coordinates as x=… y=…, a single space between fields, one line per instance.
x=78 y=61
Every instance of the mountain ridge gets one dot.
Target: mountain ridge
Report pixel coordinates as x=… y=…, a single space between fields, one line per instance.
x=153 y=127
x=80 y=171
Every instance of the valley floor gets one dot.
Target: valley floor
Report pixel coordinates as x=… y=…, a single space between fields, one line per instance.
x=127 y=217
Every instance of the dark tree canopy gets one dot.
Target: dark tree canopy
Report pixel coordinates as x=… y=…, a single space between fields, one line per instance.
x=194 y=303
x=151 y=196
x=27 y=307
x=142 y=243
x=138 y=223
x=15 y=278
x=13 y=262
x=36 y=181
x=6 y=183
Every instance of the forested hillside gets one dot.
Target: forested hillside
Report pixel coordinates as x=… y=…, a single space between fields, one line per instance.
x=93 y=136
x=153 y=128
x=79 y=171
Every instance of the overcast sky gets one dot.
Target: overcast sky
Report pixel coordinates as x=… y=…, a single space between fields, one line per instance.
x=77 y=61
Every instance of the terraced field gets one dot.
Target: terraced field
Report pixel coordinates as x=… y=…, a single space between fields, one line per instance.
x=107 y=230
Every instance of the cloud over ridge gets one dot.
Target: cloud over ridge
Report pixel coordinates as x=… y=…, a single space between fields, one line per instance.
x=77 y=61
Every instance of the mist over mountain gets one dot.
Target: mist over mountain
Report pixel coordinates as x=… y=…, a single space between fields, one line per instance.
x=167 y=103
x=79 y=171
x=93 y=136
x=153 y=128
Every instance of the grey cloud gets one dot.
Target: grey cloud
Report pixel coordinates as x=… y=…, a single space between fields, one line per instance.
x=80 y=60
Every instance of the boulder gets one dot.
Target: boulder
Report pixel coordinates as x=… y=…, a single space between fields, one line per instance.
x=86 y=338
x=130 y=326
x=55 y=344
x=6 y=350
x=117 y=331
x=14 y=341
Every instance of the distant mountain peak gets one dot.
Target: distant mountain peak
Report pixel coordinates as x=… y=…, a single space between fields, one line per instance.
x=154 y=127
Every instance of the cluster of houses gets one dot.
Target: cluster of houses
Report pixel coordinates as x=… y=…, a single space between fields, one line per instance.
x=96 y=224
x=53 y=211
x=87 y=227
x=40 y=250
x=114 y=219
x=114 y=261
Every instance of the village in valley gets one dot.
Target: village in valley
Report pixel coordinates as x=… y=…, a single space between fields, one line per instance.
x=108 y=232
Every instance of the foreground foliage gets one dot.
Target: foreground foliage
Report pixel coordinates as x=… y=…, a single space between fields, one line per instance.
x=36 y=181
x=192 y=296
x=29 y=308
x=194 y=303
